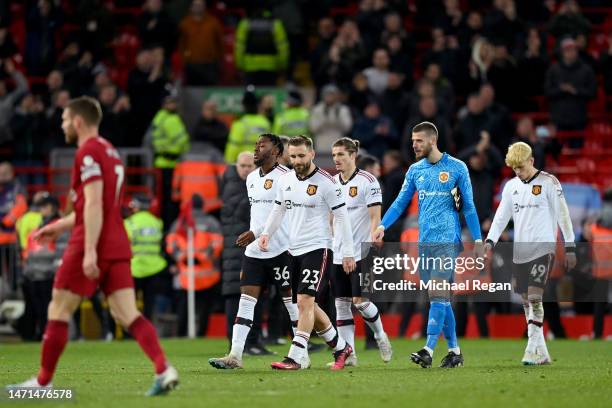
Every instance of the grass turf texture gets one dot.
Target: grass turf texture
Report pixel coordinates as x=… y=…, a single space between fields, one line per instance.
x=117 y=374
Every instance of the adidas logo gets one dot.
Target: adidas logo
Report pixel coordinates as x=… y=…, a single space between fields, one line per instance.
x=421 y=178
x=285 y=283
x=252 y=186
x=515 y=192
x=431 y=321
x=312 y=287
x=288 y=188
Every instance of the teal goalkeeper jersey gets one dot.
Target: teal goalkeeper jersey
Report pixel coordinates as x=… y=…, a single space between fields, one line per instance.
x=438 y=217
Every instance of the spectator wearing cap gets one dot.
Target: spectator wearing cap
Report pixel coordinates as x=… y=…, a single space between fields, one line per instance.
x=209 y=128
x=201 y=45
x=168 y=138
x=570 y=84
x=40 y=261
x=145 y=232
x=293 y=120
x=375 y=131
x=330 y=119
x=246 y=130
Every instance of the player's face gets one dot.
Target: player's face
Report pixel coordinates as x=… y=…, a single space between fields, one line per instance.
x=301 y=159
x=343 y=159
x=264 y=150
x=524 y=170
x=421 y=144
x=68 y=127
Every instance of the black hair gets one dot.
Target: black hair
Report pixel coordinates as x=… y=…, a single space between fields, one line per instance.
x=276 y=141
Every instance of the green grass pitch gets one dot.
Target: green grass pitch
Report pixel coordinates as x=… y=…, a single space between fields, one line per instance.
x=116 y=374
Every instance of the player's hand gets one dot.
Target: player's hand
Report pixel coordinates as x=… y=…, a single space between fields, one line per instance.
x=90 y=265
x=349 y=264
x=488 y=250
x=245 y=239
x=264 y=239
x=378 y=234
x=49 y=232
x=479 y=250
x=570 y=260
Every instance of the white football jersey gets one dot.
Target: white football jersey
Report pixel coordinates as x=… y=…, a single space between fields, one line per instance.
x=537 y=207
x=308 y=203
x=361 y=191
x=262 y=192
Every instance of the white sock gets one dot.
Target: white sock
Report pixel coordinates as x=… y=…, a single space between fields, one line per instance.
x=242 y=325
x=331 y=337
x=345 y=322
x=536 y=322
x=455 y=350
x=429 y=350
x=370 y=314
x=292 y=309
x=299 y=346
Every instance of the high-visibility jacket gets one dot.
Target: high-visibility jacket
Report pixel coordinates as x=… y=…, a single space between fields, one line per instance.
x=207 y=246
x=145 y=232
x=198 y=173
x=602 y=251
x=292 y=122
x=26 y=224
x=168 y=137
x=244 y=134
x=261 y=45
x=42 y=258
x=13 y=205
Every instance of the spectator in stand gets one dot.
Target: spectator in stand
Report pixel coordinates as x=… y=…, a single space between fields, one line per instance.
x=532 y=66
x=156 y=27
x=570 y=84
x=502 y=23
x=261 y=51
x=472 y=29
x=400 y=60
x=13 y=204
x=76 y=65
x=359 y=94
x=326 y=34
x=29 y=130
x=8 y=49
x=428 y=112
x=470 y=127
x=443 y=87
x=9 y=99
x=330 y=119
x=378 y=74
x=55 y=82
x=484 y=165
x=115 y=117
x=501 y=125
x=583 y=53
x=201 y=45
x=395 y=101
x=394 y=27
x=425 y=89
x=346 y=56
x=569 y=21
x=371 y=21
x=451 y=19
x=526 y=132
x=445 y=52
x=376 y=133
x=97 y=27
x=59 y=101
x=209 y=128
x=480 y=64
x=42 y=22
x=145 y=88
x=605 y=61
x=502 y=75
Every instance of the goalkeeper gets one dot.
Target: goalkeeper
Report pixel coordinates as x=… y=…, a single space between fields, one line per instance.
x=444 y=189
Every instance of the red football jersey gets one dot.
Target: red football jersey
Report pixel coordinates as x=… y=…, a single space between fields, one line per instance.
x=97 y=159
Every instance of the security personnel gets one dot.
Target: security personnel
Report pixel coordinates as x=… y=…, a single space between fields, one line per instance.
x=261 y=49
x=13 y=204
x=169 y=139
x=293 y=121
x=246 y=130
x=145 y=232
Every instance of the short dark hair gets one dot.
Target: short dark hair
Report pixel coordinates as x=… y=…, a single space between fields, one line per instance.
x=86 y=107
x=351 y=145
x=427 y=127
x=367 y=161
x=275 y=140
x=301 y=140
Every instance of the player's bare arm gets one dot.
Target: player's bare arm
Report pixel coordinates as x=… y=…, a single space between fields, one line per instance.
x=51 y=232
x=245 y=239
x=92 y=219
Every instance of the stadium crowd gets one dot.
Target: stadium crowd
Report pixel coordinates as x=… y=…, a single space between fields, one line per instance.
x=478 y=69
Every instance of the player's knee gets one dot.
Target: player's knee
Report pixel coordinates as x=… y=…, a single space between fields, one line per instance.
x=58 y=310
x=305 y=304
x=124 y=315
x=358 y=300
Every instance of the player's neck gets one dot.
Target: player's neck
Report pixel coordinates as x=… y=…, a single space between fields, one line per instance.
x=86 y=135
x=346 y=174
x=434 y=156
x=531 y=174
x=267 y=167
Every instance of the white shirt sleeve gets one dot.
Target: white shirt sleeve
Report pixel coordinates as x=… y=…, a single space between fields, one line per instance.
x=334 y=199
x=561 y=211
x=502 y=215
x=374 y=194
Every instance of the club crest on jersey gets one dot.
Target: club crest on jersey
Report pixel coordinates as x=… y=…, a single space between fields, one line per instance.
x=268 y=184
x=353 y=191
x=443 y=176
x=311 y=190
x=536 y=190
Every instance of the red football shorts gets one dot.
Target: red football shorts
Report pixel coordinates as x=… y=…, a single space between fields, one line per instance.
x=114 y=275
